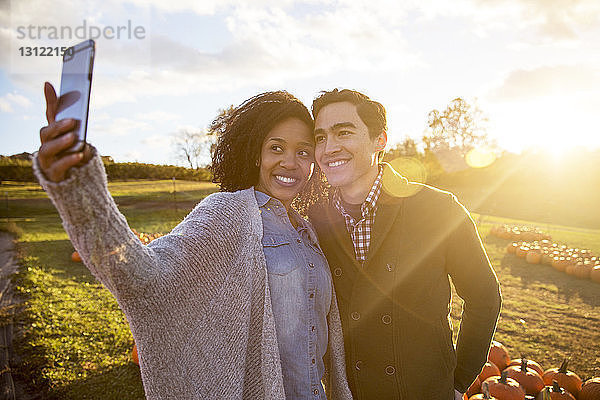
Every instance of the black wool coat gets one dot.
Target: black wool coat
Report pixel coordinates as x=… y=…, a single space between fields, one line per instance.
x=395 y=306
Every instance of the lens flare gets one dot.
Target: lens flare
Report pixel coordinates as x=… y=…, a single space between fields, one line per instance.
x=480 y=157
x=411 y=169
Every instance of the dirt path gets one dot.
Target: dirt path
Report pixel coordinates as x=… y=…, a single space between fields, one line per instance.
x=8 y=265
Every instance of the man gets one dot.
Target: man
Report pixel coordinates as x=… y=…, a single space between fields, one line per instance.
x=391 y=246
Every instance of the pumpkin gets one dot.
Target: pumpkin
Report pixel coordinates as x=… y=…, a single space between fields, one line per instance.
x=595 y=274
x=489 y=369
x=474 y=388
x=534 y=256
x=499 y=355
x=530 y=364
x=134 y=355
x=590 y=390
x=547 y=257
x=529 y=379
x=505 y=234
x=512 y=248
x=504 y=388
x=521 y=252
x=554 y=392
x=485 y=395
x=481 y=396
x=560 y=263
x=566 y=379
x=75 y=257
x=583 y=270
x=570 y=269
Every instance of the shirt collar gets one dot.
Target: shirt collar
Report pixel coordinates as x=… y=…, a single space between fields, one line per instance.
x=261 y=198
x=370 y=201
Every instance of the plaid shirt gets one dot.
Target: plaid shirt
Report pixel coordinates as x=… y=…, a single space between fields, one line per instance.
x=360 y=231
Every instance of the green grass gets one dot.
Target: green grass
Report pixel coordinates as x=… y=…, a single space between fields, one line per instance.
x=72 y=338
x=75 y=343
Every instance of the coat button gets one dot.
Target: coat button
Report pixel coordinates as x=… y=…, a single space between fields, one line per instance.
x=316 y=392
x=386 y=319
x=299 y=240
x=390 y=370
x=355 y=316
x=337 y=272
x=311 y=265
x=358 y=365
x=390 y=267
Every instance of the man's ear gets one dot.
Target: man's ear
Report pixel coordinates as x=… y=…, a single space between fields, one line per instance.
x=381 y=141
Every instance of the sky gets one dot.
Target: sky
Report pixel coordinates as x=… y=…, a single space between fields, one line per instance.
x=531 y=66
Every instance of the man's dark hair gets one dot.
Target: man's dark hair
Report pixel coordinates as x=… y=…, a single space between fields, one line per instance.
x=241 y=132
x=370 y=112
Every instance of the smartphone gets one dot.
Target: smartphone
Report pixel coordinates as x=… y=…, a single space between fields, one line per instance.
x=75 y=87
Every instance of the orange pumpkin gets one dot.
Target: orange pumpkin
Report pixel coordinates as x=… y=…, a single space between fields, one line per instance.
x=554 y=392
x=560 y=263
x=134 y=355
x=499 y=355
x=75 y=257
x=583 y=270
x=485 y=393
x=489 y=369
x=530 y=364
x=534 y=256
x=570 y=269
x=590 y=390
x=521 y=252
x=474 y=388
x=481 y=396
x=527 y=377
x=547 y=257
x=595 y=274
x=566 y=379
x=504 y=388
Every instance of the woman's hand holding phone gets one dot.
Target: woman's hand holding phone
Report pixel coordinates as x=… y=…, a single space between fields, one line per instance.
x=57 y=137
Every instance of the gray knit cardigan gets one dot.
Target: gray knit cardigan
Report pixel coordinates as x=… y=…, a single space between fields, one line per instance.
x=197 y=299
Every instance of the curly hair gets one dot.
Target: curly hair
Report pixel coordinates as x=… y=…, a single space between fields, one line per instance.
x=241 y=132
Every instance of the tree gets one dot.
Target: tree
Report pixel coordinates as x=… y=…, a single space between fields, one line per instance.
x=193 y=147
x=406 y=148
x=459 y=128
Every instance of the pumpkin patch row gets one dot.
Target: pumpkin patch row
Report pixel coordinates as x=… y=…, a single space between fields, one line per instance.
x=146 y=238
x=580 y=263
x=519 y=232
x=503 y=378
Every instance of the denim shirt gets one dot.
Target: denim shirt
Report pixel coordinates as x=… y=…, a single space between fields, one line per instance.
x=301 y=290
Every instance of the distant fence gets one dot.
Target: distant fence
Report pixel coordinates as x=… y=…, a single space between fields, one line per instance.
x=21 y=171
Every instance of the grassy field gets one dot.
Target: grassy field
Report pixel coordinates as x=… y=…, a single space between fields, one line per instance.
x=74 y=342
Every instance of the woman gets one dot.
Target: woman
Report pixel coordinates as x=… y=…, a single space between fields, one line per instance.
x=208 y=319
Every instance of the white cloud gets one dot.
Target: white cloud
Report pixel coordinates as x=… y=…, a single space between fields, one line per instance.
x=119 y=127
x=158 y=141
x=551 y=20
x=269 y=47
x=546 y=81
x=131 y=155
x=157 y=116
x=9 y=100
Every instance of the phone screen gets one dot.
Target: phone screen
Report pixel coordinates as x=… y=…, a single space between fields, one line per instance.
x=75 y=86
